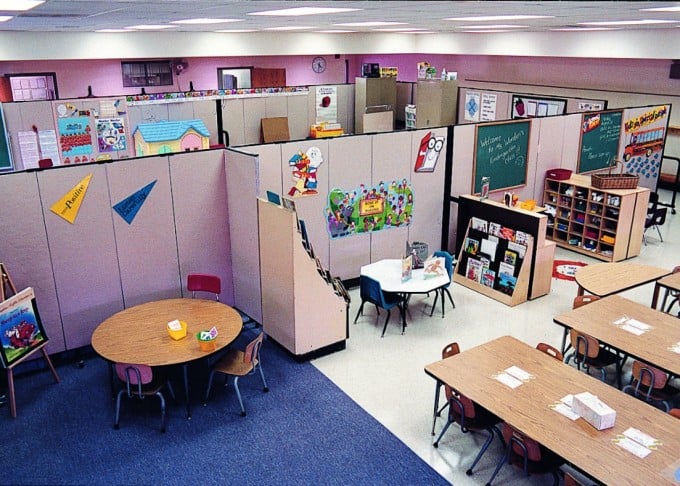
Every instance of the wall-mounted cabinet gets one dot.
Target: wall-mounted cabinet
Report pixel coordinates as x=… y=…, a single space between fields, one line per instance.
x=603 y=223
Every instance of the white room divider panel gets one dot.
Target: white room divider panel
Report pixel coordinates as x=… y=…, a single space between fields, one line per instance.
x=84 y=258
x=146 y=247
x=23 y=249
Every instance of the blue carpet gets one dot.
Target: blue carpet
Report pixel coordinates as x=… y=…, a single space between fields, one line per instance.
x=304 y=431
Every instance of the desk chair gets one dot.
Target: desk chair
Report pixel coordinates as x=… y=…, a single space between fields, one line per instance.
x=650 y=384
x=371 y=292
x=674 y=294
x=532 y=457
x=141 y=381
x=656 y=216
x=589 y=354
x=203 y=282
x=550 y=351
x=579 y=301
x=444 y=290
x=675 y=412
x=450 y=349
x=239 y=363
x=472 y=418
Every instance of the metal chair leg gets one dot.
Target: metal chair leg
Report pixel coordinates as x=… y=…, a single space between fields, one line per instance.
x=238 y=394
x=434 y=304
x=486 y=445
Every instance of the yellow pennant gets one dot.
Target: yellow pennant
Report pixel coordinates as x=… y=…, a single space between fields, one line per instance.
x=68 y=206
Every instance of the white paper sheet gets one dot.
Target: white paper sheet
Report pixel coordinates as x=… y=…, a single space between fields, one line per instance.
x=564 y=409
x=641 y=438
x=519 y=373
x=508 y=380
x=631 y=446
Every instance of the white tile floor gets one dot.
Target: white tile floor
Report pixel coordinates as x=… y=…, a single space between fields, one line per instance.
x=385 y=376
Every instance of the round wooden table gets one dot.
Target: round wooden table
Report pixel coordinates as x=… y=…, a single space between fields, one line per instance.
x=139 y=334
x=603 y=279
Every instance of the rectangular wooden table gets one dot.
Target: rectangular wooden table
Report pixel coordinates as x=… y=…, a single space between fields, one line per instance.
x=527 y=408
x=603 y=279
x=669 y=283
x=597 y=320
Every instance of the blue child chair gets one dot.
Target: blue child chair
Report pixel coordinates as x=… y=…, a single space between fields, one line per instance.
x=371 y=292
x=444 y=289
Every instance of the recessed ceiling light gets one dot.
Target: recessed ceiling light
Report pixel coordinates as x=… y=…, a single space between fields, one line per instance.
x=630 y=22
x=304 y=11
x=205 y=21
x=290 y=27
x=501 y=17
x=5 y=18
x=235 y=31
x=661 y=9
x=497 y=26
x=150 y=27
x=369 y=24
x=19 y=5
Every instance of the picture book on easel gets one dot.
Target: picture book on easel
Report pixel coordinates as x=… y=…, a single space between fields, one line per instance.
x=21 y=329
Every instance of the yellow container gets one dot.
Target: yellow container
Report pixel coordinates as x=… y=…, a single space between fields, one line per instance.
x=180 y=334
x=529 y=204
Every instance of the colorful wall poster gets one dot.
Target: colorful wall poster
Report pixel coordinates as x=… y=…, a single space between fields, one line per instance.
x=428 y=153
x=304 y=167
x=69 y=205
x=472 y=106
x=365 y=209
x=75 y=139
x=643 y=142
x=21 y=330
x=130 y=206
x=111 y=135
x=326 y=104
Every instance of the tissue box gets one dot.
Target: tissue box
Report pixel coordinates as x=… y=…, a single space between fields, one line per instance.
x=594 y=411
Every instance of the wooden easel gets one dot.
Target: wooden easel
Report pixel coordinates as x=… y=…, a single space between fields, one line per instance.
x=7 y=286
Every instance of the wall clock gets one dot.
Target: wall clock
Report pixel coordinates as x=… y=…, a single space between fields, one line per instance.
x=319 y=64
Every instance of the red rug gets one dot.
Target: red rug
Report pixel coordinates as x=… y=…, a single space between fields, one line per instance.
x=565 y=269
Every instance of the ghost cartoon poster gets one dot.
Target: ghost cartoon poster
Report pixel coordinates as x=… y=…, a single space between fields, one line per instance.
x=366 y=209
x=304 y=167
x=428 y=153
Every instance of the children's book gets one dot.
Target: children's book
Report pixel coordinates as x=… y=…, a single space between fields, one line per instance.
x=479 y=224
x=506 y=269
x=522 y=238
x=406 y=268
x=474 y=269
x=507 y=233
x=488 y=277
x=488 y=247
x=434 y=267
x=506 y=283
x=510 y=257
x=471 y=246
x=494 y=229
x=516 y=247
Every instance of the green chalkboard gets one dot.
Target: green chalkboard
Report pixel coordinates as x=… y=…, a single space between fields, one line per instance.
x=501 y=151
x=5 y=159
x=600 y=135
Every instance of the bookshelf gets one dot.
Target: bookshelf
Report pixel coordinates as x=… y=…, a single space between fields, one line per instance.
x=606 y=224
x=296 y=289
x=533 y=271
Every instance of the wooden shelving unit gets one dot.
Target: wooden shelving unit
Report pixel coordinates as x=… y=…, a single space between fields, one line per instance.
x=302 y=309
x=602 y=223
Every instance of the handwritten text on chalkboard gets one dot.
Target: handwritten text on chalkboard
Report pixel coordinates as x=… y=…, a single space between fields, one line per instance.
x=504 y=150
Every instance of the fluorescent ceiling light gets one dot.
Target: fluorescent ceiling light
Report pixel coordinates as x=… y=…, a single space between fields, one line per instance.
x=5 y=18
x=150 y=27
x=661 y=9
x=290 y=27
x=369 y=24
x=111 y=31
x=205 y=21
x=304 y=11
x=582 y=29
x=399 y=29
x=630 y=22
x=486 y=31
x=501 y=17
x=337 y=31
x=235 y=31
x=19 y=5
x=498 y=26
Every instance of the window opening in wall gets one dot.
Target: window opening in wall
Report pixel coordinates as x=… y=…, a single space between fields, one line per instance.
x=147 y=73
x=234 y=78
x=33 y=86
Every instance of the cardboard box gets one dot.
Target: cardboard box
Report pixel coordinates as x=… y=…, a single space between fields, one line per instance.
x=594 y=411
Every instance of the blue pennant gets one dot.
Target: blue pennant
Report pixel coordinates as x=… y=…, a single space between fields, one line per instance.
x=129 y=207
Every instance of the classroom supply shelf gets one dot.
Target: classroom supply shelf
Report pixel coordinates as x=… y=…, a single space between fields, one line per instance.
x=606 y=224
x=296 y=291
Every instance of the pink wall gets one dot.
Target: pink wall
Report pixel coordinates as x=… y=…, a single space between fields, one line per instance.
x=631 y=75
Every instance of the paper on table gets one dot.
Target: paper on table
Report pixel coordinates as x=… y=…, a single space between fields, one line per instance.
x=567 y=400
x=508 y=380
x=565 y=410
x=675 y=348
x=174 y=325
x=633 y=330
x=620 y=320
x=631 y=446
x=638 y=324
x=519 y=373
x=641 y=438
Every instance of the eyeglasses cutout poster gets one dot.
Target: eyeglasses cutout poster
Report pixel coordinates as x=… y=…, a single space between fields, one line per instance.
x=21 y=330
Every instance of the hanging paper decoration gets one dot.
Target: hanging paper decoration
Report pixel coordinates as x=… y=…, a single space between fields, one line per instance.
x=68 y=206
x=130 y=206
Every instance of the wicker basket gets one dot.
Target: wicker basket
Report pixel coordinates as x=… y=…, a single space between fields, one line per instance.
x=615 y=181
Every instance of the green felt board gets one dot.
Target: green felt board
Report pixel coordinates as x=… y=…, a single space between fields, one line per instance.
x=5 y=159
x=599 y=145
x=501 y=151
